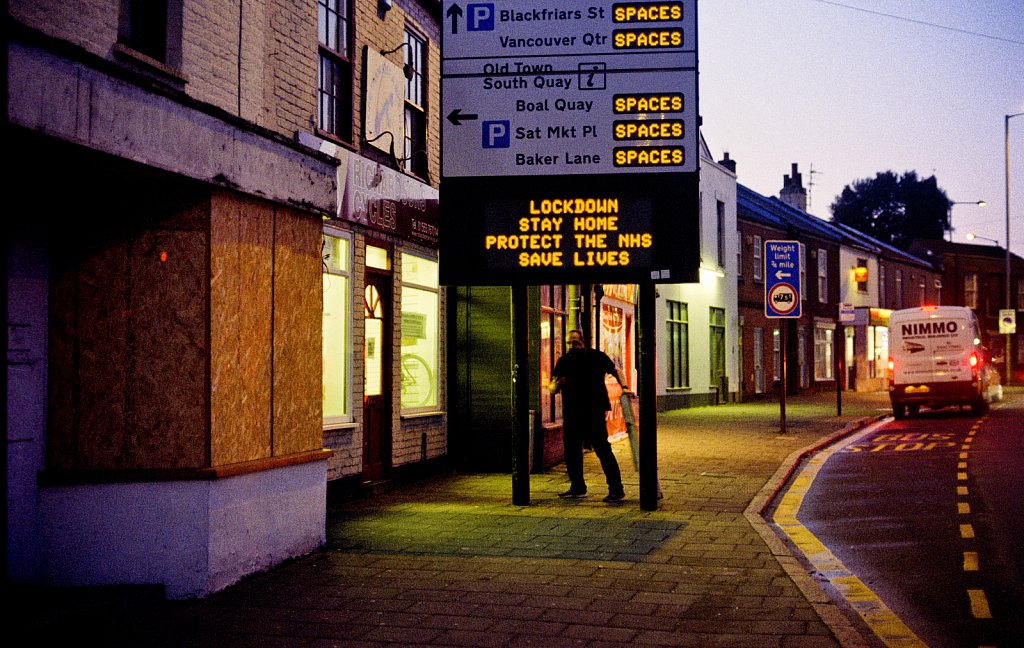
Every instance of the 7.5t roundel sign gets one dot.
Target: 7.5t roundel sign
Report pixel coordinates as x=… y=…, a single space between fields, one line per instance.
x=782 y=290
x=783 y=298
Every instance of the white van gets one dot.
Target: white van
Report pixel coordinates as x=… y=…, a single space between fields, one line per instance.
x=936 y=359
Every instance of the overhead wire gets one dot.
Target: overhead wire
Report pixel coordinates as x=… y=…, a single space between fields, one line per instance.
x=920 y=22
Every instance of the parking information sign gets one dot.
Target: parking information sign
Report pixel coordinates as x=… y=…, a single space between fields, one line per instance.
x=569 y=142
x=782 y=287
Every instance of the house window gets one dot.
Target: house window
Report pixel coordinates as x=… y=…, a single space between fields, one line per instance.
x=720 y=212
x=420 y=316
x=143 y=27
x=882 y=301
x=758 y=361
x=862 y=276
x=938 y=292
x=334 y=85
x=899 y=288
x=337 y=342
x=415 y=157
x=804 y=289
x=1020 y=294
x=776 y=354
x=823 y=351
x=801 y=358
x=717 y=344
x=678 y=329
x=922 y=291
x=553 y=316
x=971 y=289
x=739 y=255
x=758 y=258
x=822 y=275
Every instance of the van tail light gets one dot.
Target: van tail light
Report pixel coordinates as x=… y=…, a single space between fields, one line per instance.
x=890 y=370
x=974 y=361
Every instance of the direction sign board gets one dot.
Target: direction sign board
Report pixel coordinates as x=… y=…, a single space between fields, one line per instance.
x=569 y=142
x=782 y=287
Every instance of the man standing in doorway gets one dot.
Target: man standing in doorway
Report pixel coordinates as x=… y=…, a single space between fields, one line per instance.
x=579 y=376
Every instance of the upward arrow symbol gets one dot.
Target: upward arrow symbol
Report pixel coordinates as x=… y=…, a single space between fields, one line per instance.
x=455 y=12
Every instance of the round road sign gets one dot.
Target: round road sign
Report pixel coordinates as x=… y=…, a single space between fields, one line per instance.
x=783 y=299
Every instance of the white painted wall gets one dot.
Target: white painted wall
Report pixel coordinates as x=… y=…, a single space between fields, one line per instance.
x=717 y=286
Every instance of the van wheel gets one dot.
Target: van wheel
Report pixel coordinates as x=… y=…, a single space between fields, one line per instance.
x=979 y=407
x=899 y=411
x=914 y=410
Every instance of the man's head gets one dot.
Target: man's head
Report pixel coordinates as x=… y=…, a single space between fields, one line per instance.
x=576 y=340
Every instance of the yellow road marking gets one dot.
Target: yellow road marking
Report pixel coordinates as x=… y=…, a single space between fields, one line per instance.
x=966 y=531
x=882 y=621
x=963 y=508
x=961 y=490
x=961 y=476
x=970 y=561
x=963 y=455
x=979 y=604
x=962 y=465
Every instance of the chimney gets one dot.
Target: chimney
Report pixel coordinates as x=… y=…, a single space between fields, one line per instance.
x=793 y=191
x=727 y=163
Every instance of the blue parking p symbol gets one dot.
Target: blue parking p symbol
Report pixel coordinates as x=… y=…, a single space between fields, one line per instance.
x=480 y=16
x=497 y=134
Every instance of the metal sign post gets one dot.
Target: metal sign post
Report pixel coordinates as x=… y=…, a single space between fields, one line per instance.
x=782 y=299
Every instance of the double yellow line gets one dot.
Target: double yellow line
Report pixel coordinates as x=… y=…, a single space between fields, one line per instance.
x=882 y=621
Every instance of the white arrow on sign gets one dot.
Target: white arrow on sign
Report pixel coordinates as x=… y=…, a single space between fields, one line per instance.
x=782 y=275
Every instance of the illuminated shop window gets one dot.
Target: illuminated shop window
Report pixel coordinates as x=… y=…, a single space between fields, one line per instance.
x=552 y=345
x=337 y=348
x=420 y=317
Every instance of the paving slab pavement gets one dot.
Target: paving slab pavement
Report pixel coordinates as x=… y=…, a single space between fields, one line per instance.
x=449 y=561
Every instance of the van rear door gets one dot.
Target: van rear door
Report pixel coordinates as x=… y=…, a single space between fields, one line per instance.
x=932 y=349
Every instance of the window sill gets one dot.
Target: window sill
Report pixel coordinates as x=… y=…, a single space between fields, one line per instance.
x=348 y=425
x=678 y=389
x=161 y=71
x=417 y=415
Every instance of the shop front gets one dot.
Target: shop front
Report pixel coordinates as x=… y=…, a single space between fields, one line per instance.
x=383 y=363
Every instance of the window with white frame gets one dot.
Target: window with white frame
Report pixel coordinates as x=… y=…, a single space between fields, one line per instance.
x=776 y=354
x=334 y=80
x=801 y=358
x=678 y=329
x=971 y=289
x=823 y=350
x=822 y=275
x=415 y=158
x=420 y=316
x=922 y=291
x=739 y=254
x=553 y=318
x=720 y=214
x=337 y=342
x=758 y=258
x=758 y=360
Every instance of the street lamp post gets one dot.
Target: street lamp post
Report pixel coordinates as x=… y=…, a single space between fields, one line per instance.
x=979 y=203
x=1006 y=140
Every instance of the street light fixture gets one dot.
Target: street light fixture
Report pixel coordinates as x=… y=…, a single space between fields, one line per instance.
x=971 y=236
x=979 y=203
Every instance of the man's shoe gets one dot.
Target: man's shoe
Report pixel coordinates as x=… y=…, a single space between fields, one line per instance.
x=615 y=497
x=573 y=494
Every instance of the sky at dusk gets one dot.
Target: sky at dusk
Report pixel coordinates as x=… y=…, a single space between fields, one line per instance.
x=850 y=93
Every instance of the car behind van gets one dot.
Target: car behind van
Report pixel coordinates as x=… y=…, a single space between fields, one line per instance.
x=936 y=359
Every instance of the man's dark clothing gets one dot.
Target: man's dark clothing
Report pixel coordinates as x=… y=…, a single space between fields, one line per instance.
x=584 y=403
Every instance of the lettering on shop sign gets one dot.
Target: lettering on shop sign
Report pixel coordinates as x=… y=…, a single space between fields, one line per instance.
x=578 y=232
x=910 y=442
x=388 y=201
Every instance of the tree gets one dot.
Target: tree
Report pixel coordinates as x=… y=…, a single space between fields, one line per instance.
x=893 y=209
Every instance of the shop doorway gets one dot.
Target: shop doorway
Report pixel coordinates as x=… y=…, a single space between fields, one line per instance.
x=377 y=377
